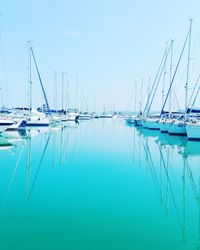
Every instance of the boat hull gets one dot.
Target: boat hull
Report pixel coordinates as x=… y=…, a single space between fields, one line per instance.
x=193 y=132
x=38 y=123
x=130 y=121
x=144 y=123
x=153 y=125
x=177 y=129
x=164 y=127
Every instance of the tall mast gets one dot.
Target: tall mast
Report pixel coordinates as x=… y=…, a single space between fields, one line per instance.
x=40 y=79
x=174 y=75
x=135 y=103
x=55 y=91
x=95 y=103
x=30 y=77
x=164 y=75
x=77 y=92
x=141 y=92
x=148 y=89
x=188 y=68
x=62 y=105
x=170 y=78
x=68 y=93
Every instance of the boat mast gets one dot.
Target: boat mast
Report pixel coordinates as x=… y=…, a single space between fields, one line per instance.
x=174 y=75
x=188 y=68
x=55 y=91
x=135 y=104
x=77 y=94
x=68 y=93
x=62 y=105
x=30 y=77
x=40 y=79
x=170 y=78
x=141 y=93
x=164 y=75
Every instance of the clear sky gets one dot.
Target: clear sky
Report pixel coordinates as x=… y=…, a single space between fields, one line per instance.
x=109 y=43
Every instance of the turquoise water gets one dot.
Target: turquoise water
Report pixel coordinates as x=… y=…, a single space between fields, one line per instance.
x=99 y=185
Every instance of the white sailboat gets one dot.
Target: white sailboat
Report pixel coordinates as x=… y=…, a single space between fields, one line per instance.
x=83 y=116
x=35 y=118
x=178 y=126
x=152 y=122
x=72 y=116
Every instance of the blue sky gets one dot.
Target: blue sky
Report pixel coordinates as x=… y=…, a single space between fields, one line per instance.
x=110 y=44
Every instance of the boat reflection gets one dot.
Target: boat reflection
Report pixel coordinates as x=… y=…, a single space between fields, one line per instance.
x=5 y=144
x=176 y=177
x=52 y=145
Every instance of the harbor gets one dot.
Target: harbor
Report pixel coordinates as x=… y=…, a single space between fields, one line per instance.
x=99 y=125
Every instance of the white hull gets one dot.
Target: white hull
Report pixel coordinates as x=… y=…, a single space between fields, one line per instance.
x=153 y=125
x=84 y=117
x=20 y=124
x=143 y=123
x=164 y=127
x=4 y=124
x=193 y=132
x=38 y=122
x=177 y=129
x=71 y=119
x=106 y=116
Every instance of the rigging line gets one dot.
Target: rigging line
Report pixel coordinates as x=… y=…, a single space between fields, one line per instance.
x=190 y=176
x=152 y=168
x=164 y=78
x=195 y=98
x=167 y=53
x=194 y=89
x=39 y=167
x=176 y=69
x=13 y=175
x=84 y=99
x=195 y=52
x=176 y=99
x=131 y=97
x=167 y=186
x=141 y=92
x=130 y=145
x=40 y=79
x=154 y=82
x=66 y=146
x=170 y=186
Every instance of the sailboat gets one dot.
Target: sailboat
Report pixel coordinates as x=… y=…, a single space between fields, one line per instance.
x=152 y=121
x=178 y=126
x=36 y=118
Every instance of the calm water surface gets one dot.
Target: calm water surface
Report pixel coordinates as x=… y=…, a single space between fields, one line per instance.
x=99 y=185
